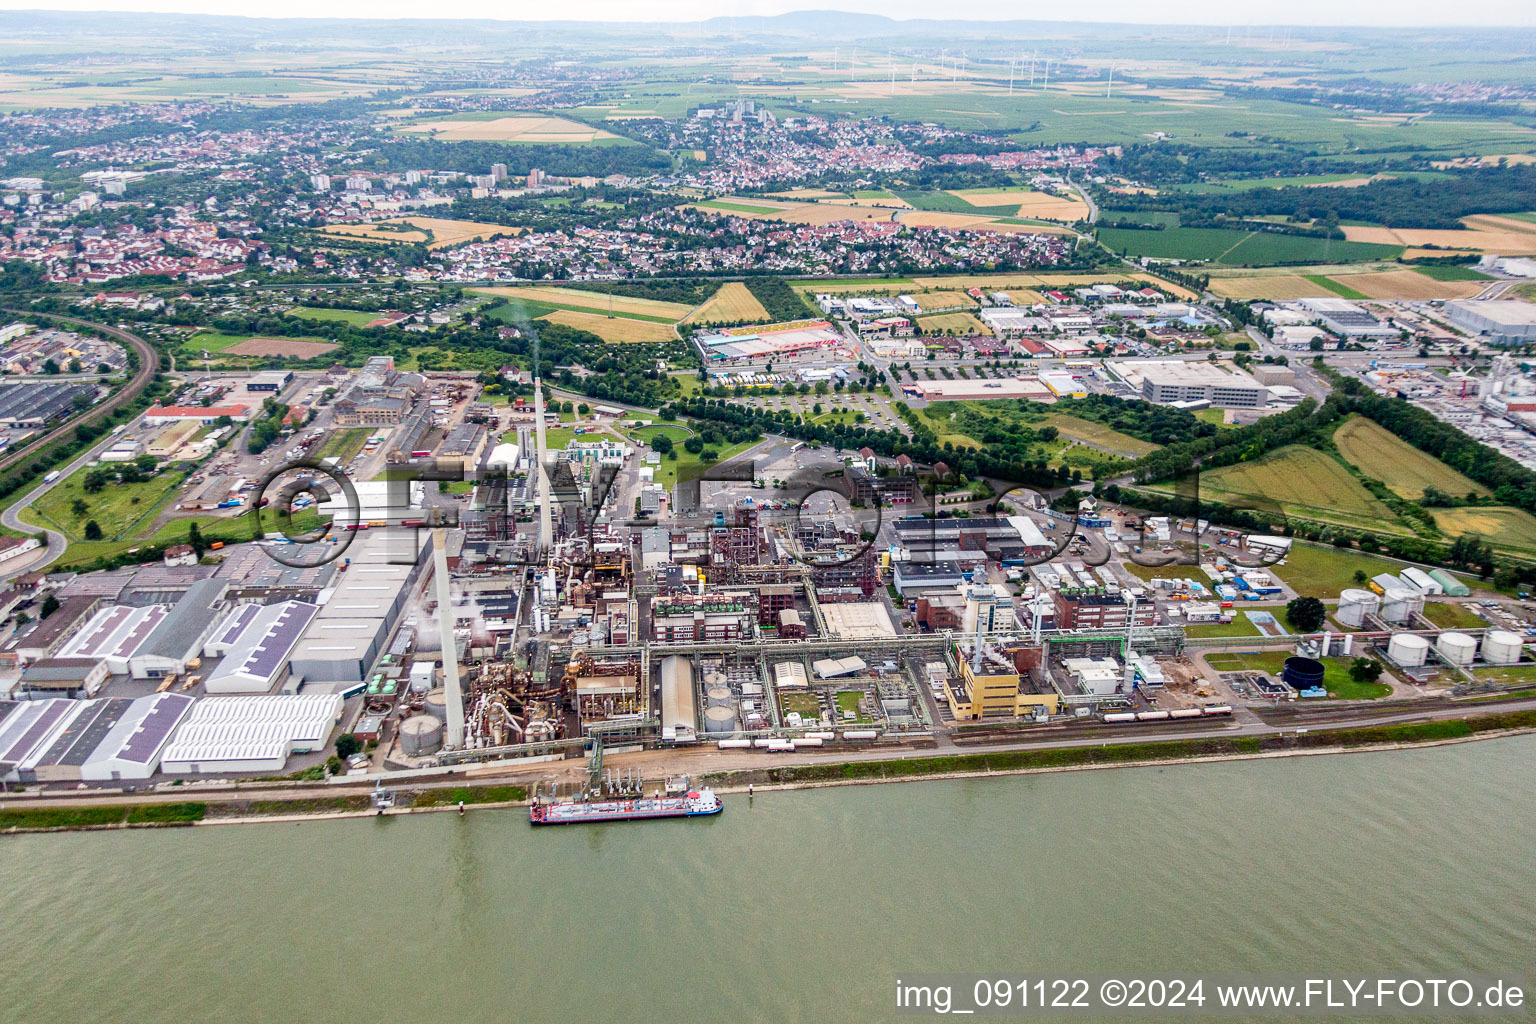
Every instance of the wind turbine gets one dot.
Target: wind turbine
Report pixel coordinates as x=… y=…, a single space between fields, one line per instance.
x=1031 y=69
x=1047 y=83
x=1110 y=88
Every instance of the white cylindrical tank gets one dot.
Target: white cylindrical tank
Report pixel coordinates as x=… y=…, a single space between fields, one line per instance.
x=717 y=697
x=421 y=735
x=1457 y=648
x=1355 y=605
x=719 y=719
x=437 y=704
x=1397 y=604
x=1408 y=649
x=1501 y=647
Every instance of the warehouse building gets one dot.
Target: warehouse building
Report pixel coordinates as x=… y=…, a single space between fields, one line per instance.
x=979 y=537
x=1166 y=381
x=250 y=734
x=1496 y=322
x=53 y=632
x=114 y=635
x=347 y=635
x=106 y=740
x=678 y=722
x=256 y=659
x=62 y=677
x=179 y=637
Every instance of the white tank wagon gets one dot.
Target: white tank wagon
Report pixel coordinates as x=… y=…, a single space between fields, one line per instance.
x=1501 y=647
x=1408 y=649
x=1457 y=648
x=1355 y=605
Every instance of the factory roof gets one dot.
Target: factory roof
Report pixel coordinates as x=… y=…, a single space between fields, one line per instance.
x=677 y=709
x=1504 y=313
x=118 y=631
x=256 y=656
x=865 y=620
x=259 y=728
x=179 y=631
x=138 y=735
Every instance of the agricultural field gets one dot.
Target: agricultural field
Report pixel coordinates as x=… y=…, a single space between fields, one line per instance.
x=616 y=329
x=265 y=348
x=975 y=222
x=790 y=212
x=943 y=300
x=1303 y=483
x=1504 y=235
x=733 y=303
x=1381 y=455
x=1028 y=203
x=437 y=232
x=1379 y=281
x=583 y=301
x=512 y=129
x=1235 y=247
x=952 y=323
x=1509 y=529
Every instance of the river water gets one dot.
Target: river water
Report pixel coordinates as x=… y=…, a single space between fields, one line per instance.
x=798 y=906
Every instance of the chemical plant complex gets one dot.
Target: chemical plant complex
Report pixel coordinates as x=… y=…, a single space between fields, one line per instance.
x=558 y=606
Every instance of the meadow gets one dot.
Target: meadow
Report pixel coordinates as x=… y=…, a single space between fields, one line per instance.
x=1508 y=529
x=1301 y=482
x=1235 y=247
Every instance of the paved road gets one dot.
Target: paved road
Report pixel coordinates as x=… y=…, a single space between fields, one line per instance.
x=57 y=542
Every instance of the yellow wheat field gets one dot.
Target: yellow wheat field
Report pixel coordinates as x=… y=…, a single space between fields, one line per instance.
x=615 y=329
x=444 y=233
x=733 y=303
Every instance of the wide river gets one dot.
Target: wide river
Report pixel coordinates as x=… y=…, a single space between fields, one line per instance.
x=798 y=906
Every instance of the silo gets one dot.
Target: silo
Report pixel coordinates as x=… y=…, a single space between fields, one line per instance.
x=714 y=679
x=421 y=735
x=1408 y=649
x=437 y=704
x=1355 y=605
x=1457 y=648
x=1501 y=647
x=1398 y=604
x=717 y=697
x=719 y=719
x=1302 y=673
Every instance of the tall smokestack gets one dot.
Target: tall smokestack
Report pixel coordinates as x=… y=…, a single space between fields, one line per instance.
x=454 y=734
x=546 y=509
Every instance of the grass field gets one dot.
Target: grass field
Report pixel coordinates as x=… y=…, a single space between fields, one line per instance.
x=1240 y=625
x=118 y=509
x=733 y=303
x=1508 y=528
x=1098 y=435
x=1452 y=615
x=1335 y=672
x=1314 y=570
x=792 y=212
x=356 y=318
x=1330 y=285
x=804 y=704
x=944 y=299
x=1302 y=482
x=1381 y=455
x=1235 y=247
x=644 y=434
x=848 y=701
x=345 y=443
x=691 y=464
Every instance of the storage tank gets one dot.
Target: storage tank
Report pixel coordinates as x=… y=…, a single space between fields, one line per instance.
x=1302 y=673
x=1355 y=605
x=1457 y=648
x=713 y=679
x=421 y=735
x=1397 y=604
x=719 y=719
x=437 y=704
x=1501 y=647
x=1408 y=649
x=717 y=696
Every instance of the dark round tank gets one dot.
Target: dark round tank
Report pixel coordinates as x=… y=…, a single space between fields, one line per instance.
x=1303 y=673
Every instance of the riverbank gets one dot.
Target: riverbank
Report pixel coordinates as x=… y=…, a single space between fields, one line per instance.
x=309 y=807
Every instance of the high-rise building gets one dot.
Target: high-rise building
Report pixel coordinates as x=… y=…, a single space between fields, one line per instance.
x=320 y=182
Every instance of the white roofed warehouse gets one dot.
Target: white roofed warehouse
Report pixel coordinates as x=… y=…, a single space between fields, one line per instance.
x=250 y=734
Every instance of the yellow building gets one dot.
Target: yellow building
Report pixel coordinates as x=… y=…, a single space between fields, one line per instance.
x=974 y=695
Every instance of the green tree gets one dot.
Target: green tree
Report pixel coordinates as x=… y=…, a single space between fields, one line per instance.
x=195 y=538
x=661 y=443
x=93 y=530
x=1305 y=614
x=347 y=744
x=79 y=508
x=1365 y=670
x=1360 y=576
x=49 y=606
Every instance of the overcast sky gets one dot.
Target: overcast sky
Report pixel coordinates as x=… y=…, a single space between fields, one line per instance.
x=1205 y=12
